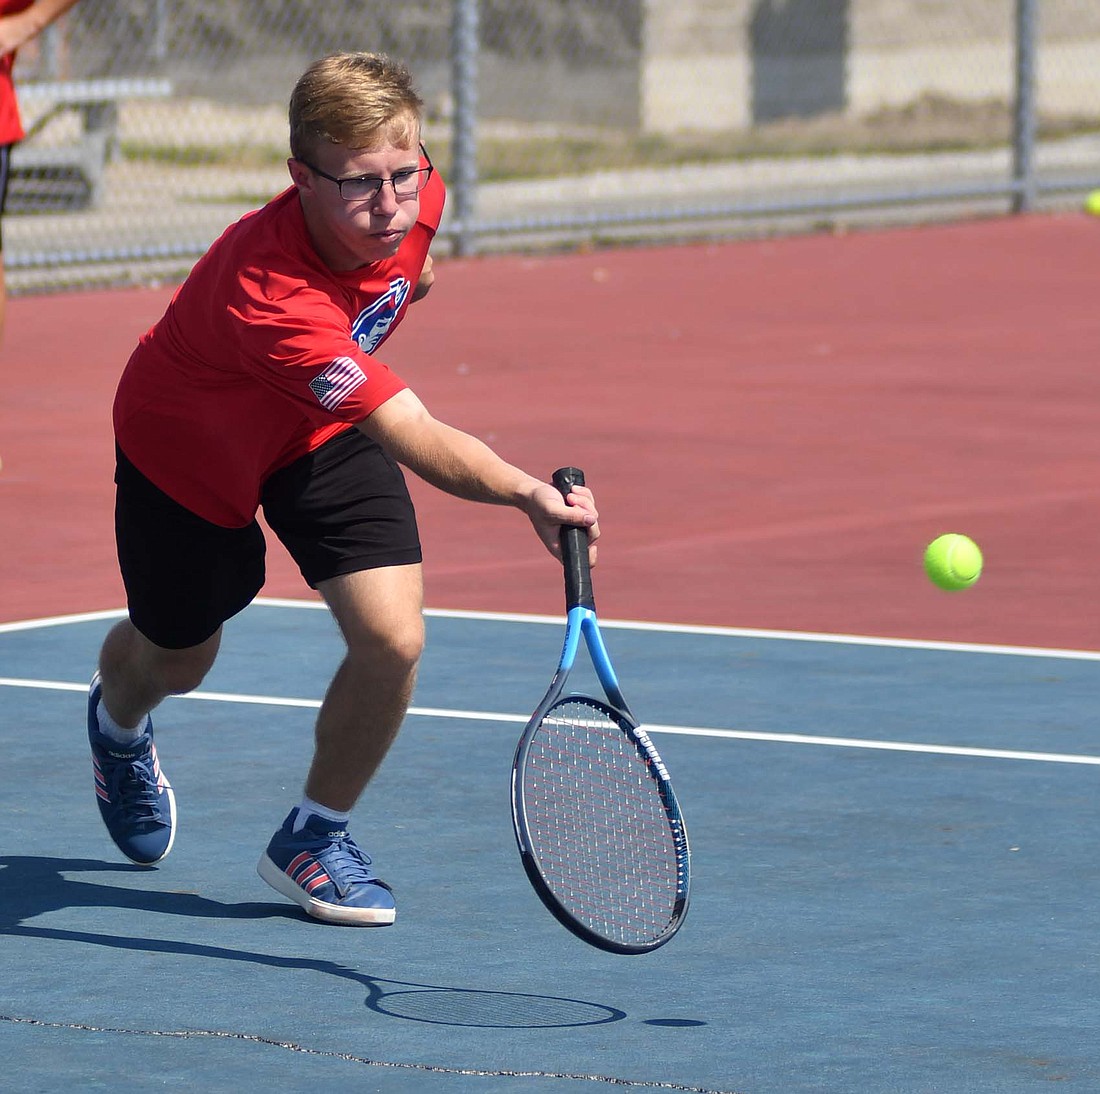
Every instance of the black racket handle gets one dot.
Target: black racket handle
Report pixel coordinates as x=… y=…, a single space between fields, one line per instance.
x=574 y=548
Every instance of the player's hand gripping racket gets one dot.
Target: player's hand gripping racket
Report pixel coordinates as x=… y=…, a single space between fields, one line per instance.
x=598 y=827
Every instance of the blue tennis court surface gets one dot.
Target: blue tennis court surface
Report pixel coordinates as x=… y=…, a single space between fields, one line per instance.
x=894 y=851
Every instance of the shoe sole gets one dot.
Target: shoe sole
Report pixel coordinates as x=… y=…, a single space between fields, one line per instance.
x=320 y=909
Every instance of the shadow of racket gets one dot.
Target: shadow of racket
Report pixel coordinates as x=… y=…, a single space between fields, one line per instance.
x=443 y=1006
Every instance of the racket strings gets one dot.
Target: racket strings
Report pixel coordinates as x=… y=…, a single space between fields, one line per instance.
x=598 y=824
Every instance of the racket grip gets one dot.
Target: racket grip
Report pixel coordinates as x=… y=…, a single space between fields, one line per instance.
x=574 y=548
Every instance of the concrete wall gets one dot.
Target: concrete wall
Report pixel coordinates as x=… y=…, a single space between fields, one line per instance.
x=695 y=68
x=709 y=64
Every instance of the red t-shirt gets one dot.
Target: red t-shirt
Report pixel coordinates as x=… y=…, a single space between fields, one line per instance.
x=11 y=127
x=262 y=356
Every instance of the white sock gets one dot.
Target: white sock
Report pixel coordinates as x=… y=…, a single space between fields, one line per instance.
x=110 y=728
x=309 y=807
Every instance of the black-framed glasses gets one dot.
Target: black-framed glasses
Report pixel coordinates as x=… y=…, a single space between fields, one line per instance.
x=366 y=187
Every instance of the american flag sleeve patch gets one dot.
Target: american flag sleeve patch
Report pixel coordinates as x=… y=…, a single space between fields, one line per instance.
x=337 y=382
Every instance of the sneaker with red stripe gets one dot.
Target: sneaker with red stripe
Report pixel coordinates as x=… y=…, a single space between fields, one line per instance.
x=135 y=799
x=322 y=869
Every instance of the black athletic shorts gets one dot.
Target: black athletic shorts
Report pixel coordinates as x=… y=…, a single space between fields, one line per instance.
x=5 y=176
x=338 y=510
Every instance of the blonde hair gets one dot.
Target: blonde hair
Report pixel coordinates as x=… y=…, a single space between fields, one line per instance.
x=357 y=100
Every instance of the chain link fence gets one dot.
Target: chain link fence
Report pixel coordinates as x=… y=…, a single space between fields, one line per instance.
x=152 y=125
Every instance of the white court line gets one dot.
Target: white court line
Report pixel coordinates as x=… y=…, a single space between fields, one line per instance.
x=684 y=731
x=736 y=632
x=60 y=620
x=671 y=628
x=638 y=625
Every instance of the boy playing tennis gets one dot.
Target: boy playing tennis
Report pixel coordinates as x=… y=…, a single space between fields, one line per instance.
x=258 y=388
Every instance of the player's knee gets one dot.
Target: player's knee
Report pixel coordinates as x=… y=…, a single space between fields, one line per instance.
x=404 y=645
x=398 y=645
x=180 y=671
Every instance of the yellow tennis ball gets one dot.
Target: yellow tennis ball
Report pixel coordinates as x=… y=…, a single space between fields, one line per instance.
x=1092 y=203
x=953 y=562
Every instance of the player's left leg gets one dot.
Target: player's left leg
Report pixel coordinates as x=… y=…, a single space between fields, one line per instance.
x=345 y=515
x=312 y=859
x=379 y=613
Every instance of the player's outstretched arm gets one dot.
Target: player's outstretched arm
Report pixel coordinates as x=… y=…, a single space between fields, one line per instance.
x=466 y=467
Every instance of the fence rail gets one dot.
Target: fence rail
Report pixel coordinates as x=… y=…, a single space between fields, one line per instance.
x=558 y=120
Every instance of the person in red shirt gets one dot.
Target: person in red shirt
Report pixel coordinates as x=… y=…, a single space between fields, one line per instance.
x=260 y=387
x=21 y=21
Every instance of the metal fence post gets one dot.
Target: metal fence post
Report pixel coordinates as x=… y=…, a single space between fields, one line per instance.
x=464 y=61
x=1024 y=114
x=160 y=30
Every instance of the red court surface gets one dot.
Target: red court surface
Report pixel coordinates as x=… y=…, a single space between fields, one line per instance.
x=774 y=430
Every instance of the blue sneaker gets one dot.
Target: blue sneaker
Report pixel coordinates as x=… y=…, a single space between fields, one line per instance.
x=135 y=799
x=321 y=869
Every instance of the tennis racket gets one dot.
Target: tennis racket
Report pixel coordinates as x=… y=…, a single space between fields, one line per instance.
x=597 y=823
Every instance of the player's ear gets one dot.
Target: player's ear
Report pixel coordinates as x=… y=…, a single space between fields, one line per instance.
x=300 y=175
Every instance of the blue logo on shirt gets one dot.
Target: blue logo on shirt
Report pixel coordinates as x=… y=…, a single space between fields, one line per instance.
x=373 y=323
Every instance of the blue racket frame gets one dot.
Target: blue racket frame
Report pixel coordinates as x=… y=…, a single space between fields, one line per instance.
x=582 y=625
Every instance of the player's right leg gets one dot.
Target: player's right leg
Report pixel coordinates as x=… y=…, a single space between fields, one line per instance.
x=184 y=577
x=135 y=799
